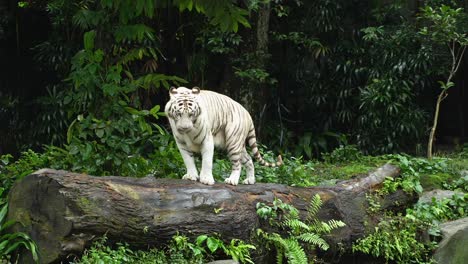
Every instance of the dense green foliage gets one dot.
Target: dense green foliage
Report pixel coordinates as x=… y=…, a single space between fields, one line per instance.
x=396 y=239
x=327 y=82
x=179 y=251
x=343 y=163
x=400 y=238
x=369 y=81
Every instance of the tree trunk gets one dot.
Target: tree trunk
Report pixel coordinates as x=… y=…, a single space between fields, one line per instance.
x=263 y=26
x=440 y=98
x=261 y=93
x=64 y=211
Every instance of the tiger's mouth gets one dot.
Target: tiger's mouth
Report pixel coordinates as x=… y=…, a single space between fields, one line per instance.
x=183 y=130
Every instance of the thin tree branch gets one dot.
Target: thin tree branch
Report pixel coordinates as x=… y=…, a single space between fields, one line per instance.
x=460 y=58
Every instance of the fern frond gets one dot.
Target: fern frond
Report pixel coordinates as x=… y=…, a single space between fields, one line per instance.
x=281 y=245
x=314 y=239
x=296 y=225
x=334 y=224
x=295 y=253
x=320 y=227
x=314 y=206
x=279 y=255
x=316 y=226
x=277 y=240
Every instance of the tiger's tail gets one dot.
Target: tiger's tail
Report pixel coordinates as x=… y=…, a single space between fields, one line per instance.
x=252 y=142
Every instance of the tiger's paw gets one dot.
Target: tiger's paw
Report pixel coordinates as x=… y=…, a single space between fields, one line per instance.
x=231 y=181
x=207 y=180
x=190 y=177
x=249 y=181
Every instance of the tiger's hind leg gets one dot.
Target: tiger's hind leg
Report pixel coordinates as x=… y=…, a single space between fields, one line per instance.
x=249 y=166
x=235 y=157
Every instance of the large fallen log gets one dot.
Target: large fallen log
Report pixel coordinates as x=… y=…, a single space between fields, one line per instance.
x=64 y=211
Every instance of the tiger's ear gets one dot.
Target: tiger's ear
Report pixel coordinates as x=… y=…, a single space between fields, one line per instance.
x=196 y=90
x=172 y=91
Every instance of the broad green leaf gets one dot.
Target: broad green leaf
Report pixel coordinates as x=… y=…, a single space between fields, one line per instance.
x=154 y=111
x=132 y=111
x=89 y=40
x=100 y=133
x=201 y=239
x=212 y=244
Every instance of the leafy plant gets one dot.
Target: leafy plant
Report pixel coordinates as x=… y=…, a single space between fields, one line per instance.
x=295 y=171
x=413 y=168
x=396 y=239
x=460 y=184
x=313 y=144
x=53 y=117
x=10 y=171
x=237 y=249
x=438 y=211
x=179 y=251
x=9 y=242
x=343 y=154
x=301 y=235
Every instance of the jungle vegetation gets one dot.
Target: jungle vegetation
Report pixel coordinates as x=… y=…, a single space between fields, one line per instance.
x=338 y=87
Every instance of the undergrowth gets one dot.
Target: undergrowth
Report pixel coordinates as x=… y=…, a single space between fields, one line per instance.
x=180 y=250
x=346 y=162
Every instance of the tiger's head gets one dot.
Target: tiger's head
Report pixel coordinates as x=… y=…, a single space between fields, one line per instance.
x=183 y=108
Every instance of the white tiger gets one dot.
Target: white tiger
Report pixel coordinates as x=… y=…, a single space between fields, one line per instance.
x=201 y=120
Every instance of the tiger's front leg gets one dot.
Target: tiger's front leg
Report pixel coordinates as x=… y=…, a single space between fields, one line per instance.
x=207 y=151
x=189 y=161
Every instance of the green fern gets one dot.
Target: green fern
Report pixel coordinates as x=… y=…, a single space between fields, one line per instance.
x=302 y=234
x=314 y=239
x=295 y=253
x=295 y=225
x=287 y=248
x=314 y=206
x=334 y=224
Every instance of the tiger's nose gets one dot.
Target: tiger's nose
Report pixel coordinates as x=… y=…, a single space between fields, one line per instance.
x=183 y=129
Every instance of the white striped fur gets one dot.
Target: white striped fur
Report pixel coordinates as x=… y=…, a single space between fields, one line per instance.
x=201 y=120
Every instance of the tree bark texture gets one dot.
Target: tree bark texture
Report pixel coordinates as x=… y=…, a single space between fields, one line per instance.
x=263 y=26
x=64 y=211
x=261 y=93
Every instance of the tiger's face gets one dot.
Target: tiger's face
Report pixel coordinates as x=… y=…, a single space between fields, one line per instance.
x=184 y=109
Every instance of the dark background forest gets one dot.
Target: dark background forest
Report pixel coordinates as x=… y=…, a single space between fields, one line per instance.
x=314 y=74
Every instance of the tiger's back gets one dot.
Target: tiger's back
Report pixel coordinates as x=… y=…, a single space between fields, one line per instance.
x=221 y=111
